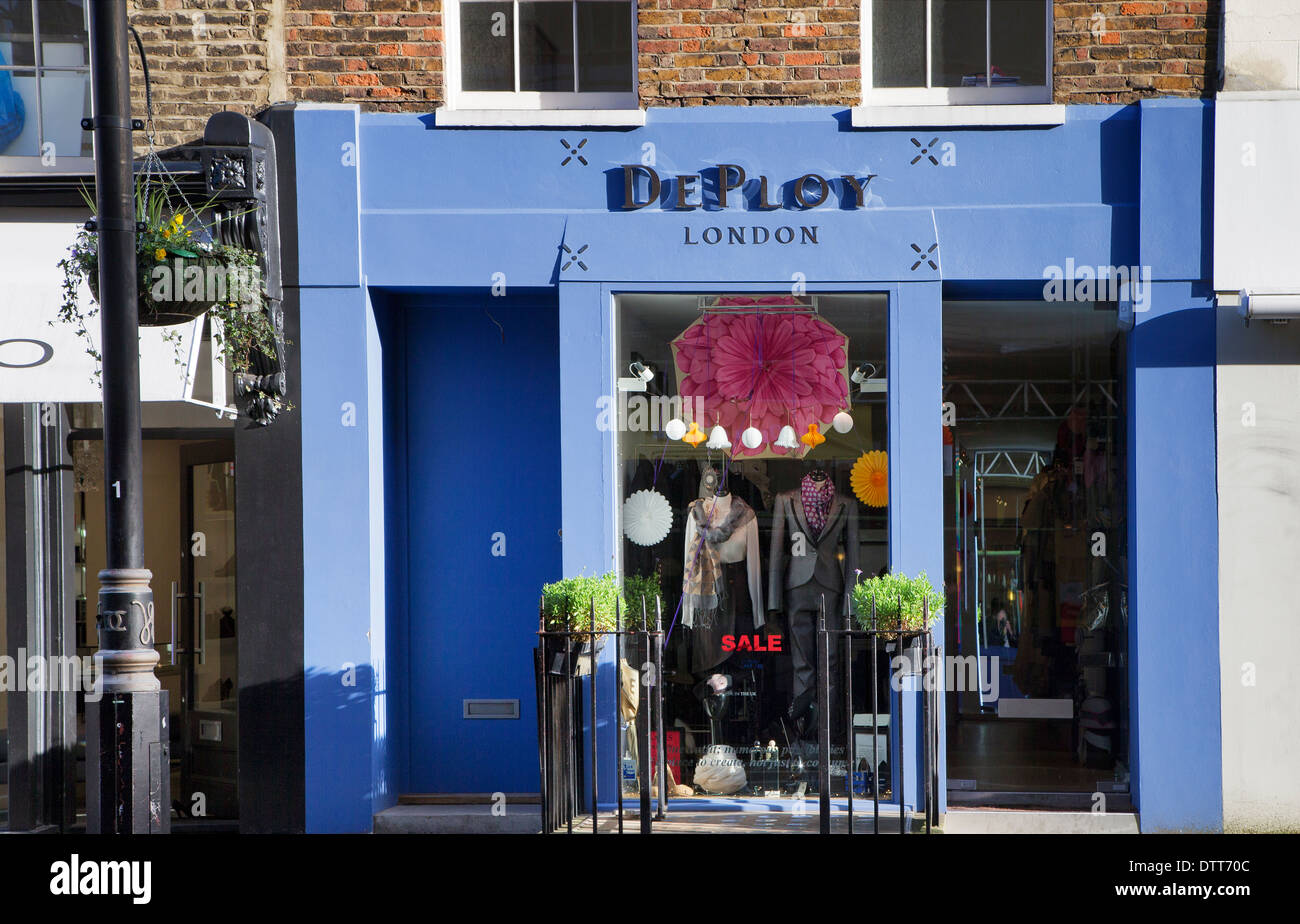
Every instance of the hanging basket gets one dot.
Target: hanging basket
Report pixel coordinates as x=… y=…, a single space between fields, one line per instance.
x=178 y=289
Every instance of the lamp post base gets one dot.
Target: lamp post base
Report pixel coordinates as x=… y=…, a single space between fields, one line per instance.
x=128 y=764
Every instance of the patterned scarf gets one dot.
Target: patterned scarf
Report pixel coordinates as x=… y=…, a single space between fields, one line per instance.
x=817 y=497
x=703 y=566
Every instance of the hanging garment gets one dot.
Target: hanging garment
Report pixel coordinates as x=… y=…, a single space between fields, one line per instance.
x=734 y=614
x=719 y=530
x=795 y=561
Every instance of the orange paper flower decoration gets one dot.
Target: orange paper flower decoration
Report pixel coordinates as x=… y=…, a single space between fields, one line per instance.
x=813 y=437
x=870 y=479
x=694 y=436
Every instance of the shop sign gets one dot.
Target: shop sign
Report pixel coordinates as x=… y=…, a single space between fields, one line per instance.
x=810 y=191
x=44 y=362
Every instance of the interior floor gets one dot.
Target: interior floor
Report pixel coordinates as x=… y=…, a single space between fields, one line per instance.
x=1019 y=755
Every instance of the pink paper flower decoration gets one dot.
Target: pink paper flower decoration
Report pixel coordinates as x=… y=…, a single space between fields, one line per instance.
x=770 y=368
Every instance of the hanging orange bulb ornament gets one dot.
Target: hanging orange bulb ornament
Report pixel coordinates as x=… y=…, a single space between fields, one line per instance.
x=694 y=436
x=813 y=438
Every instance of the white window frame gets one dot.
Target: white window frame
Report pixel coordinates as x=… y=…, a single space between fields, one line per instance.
x=952 y=96
x=33 y=164
x=527 y=100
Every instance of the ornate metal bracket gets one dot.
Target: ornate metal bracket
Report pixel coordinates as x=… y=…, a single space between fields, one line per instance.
x=238 y=158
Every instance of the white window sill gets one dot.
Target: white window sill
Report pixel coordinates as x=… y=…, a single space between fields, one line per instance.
x=958 y=116
x=538 y=118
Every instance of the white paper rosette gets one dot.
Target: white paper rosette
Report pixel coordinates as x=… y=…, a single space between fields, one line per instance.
x=647 y=517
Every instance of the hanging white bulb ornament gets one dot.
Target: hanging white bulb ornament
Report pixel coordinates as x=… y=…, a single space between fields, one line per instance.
x=718 y=438
x=786 y=438
x=752 y=438
x=674 y=429
x=842 y=422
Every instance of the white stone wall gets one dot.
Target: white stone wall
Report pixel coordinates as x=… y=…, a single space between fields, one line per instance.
x=1261 y=45
x=1258 y=397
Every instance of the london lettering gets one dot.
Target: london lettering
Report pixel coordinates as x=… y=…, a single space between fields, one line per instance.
x=809 y=191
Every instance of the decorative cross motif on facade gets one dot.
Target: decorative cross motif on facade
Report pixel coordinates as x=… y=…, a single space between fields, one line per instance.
x=575 y=256
x=925 y=151
x=573 y=152
x=924 y=256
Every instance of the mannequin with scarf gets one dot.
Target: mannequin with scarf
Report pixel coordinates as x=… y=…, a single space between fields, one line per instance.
x=722 y=583
x=813 y=556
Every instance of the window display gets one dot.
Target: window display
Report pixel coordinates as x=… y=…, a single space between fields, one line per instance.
x=737 y=501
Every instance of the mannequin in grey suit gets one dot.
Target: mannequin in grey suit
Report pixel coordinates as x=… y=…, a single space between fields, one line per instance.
x=805 y=567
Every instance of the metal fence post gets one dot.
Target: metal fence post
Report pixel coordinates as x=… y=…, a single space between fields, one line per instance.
x=570 y=796
x=898 y=773
x=925 y=705
x=850 y=751
x=823 y=721
x=643 y=728
x=591 y=685
x=875 y=723
x=618 y=706
x=544 y=719
x=660 y=755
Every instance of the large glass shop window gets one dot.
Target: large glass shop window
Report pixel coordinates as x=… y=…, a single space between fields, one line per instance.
x=751 y=427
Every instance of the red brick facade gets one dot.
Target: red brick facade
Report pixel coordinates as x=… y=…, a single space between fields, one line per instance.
x=1118 y=52
x=206 y=55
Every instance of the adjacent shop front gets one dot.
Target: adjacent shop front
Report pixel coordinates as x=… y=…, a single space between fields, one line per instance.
x=679 y=351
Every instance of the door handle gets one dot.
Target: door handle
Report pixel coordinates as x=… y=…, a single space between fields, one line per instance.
x=203 y=637
x=172 y=645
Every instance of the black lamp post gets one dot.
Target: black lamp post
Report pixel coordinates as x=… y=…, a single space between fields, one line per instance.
x=127 y=749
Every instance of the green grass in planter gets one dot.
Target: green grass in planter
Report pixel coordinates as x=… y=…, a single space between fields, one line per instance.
x=638 y=587
x=891 y=591
x=573 y=598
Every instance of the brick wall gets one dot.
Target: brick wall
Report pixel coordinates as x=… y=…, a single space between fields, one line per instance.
x=208 y=55
x=204 y=56
x=748 y=52
x=1125 y=50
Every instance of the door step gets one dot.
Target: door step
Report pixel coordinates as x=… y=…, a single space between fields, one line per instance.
x=520 y=818
x=468 y=798
x=1015 y=821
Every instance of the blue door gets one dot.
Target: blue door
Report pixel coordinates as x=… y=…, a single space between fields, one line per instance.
x=483 y=521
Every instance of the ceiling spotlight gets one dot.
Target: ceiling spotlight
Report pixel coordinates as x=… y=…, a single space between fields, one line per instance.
x=864 y=376
x=862 y=373
x=640 y=378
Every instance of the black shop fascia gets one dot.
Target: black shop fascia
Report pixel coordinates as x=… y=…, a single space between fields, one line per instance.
x=719 y=186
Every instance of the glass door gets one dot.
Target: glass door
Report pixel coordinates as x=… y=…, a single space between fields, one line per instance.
x=209 y=653
x=1036 y=538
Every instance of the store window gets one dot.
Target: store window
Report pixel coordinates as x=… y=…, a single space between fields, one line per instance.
x=44 y=86
x=1036 y=547
x=744 y=543
x=541 y=54
x=935 y=52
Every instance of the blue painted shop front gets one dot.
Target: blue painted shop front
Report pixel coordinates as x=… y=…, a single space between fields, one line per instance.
x=458 y=329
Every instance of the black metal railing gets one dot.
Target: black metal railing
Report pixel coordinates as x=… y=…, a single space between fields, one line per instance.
x=918 y=644
x=567 y=704
x=562 y=689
